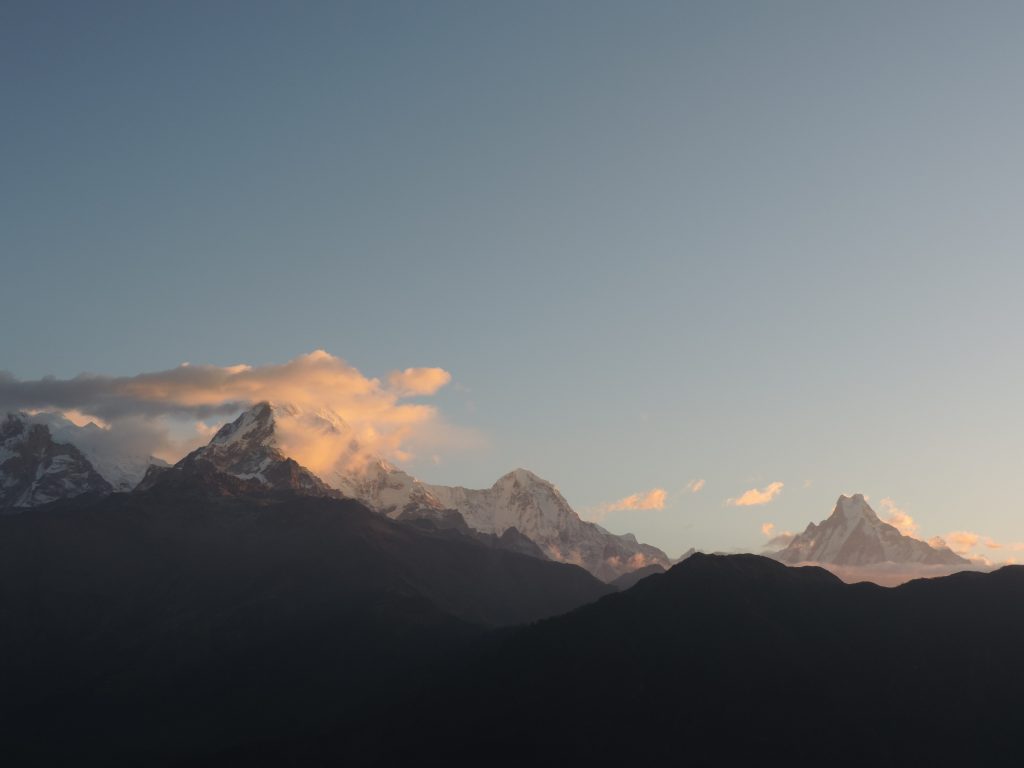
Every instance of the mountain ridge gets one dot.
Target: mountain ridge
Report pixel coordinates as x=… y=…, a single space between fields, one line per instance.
x=249 y=448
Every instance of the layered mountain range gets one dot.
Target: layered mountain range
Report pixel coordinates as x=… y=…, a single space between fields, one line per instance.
x=239 y=608
x=521 y=509
x=854 y=535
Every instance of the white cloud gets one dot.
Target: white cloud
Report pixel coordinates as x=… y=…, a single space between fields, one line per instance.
x=756 y=497
x=695 y=486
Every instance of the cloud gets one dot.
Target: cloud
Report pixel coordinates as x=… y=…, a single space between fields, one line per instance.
x=961 y=542
x=695 y=486
x=418 y=381
x=199 y=396
x=966 y=544
x=781 y=541
x=652 y=499
x=755 y=497
x=776 y=541
x=898 y=518
x=633 y=563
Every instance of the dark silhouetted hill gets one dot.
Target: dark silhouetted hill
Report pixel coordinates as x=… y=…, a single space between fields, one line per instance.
x=158 y=626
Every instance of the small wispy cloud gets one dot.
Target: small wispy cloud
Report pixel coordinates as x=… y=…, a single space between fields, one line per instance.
x=897 y=518
x=695 y=486
x=755 y=497
x=776 y=541
x=652 y=499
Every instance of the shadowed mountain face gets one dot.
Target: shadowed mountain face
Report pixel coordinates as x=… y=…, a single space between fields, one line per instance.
x=34 y=469
x=628 y=580
x=157 y=625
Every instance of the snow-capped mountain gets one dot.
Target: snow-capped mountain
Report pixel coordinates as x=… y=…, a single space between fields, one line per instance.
x=249 y=448
x=853 y=535
x=36 y=469
x=388 y=489
x=122 y=467
x=522 y=500
x=256 y=445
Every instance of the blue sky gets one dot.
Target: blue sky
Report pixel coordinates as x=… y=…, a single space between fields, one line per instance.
x=651 y=242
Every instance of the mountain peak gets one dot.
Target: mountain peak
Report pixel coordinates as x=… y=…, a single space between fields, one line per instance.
x=520 y=476
x=248 y=449
x=255 y=424
x=854 y=535
x=853 y=509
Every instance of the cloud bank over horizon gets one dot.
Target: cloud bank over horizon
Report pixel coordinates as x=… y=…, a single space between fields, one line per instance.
x=169 y=412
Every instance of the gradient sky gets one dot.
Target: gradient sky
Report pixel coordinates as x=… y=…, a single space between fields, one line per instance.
x=652 y=242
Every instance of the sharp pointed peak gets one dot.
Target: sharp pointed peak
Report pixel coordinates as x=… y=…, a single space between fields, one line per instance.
x=855 y=506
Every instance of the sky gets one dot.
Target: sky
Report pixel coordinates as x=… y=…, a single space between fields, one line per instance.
x=666 y=254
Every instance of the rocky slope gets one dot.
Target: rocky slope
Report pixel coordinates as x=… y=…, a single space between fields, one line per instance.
x=35 y=469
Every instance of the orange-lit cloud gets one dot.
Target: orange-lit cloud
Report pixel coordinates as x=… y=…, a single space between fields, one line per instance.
x=633 y=563
x=377 y=419
x=961 y=542
x=695 y=486
x=652 y=499
x=755 y=497
x=418 y=381
x=967 y=543
x=898 y=518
